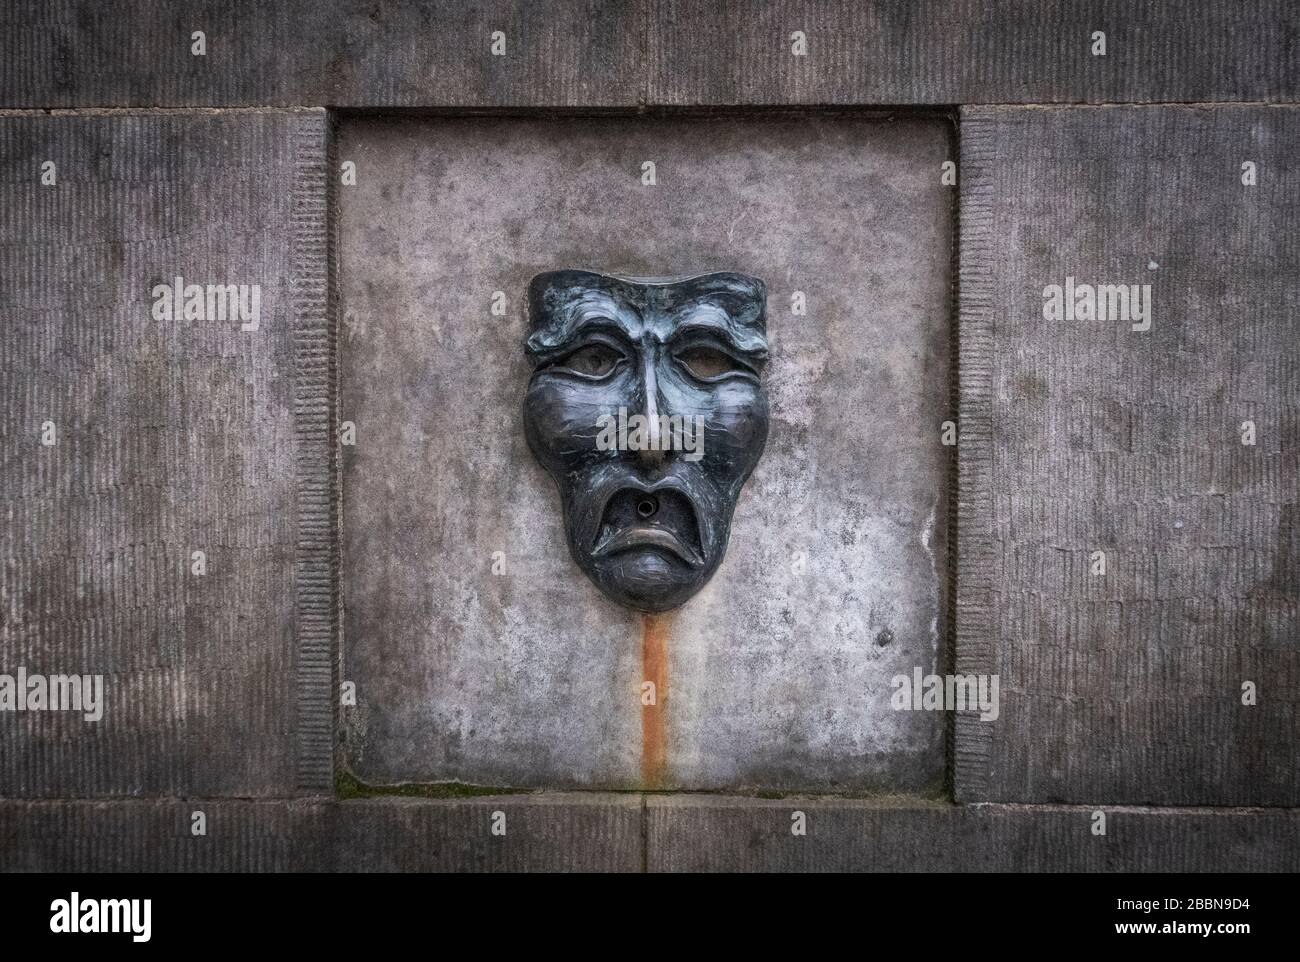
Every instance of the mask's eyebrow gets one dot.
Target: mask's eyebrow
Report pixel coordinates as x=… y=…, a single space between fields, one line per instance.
x=574 y=316
x=705 y=317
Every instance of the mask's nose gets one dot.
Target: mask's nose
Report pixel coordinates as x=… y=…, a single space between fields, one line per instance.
x=651 y=455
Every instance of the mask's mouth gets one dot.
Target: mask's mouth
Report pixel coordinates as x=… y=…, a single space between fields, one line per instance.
x=639 y=519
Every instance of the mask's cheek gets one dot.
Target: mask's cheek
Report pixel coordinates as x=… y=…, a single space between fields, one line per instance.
x=735 y=428
x=561 y=421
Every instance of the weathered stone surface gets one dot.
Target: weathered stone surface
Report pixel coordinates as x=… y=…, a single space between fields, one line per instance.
x=70 y=53
x=632 y=833
x=970 y=51
x=556 y=833
x=553 y=833
x=404 y=53
x=718 y=834
x=1085 y=436
x=156 y=835
x=777 y=674
x=170 y=437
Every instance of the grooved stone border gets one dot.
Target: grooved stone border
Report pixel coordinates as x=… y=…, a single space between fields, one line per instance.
x=974 y=549
x=633 y=833
x=315 y=560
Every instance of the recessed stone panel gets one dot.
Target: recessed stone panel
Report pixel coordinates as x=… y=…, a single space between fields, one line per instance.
x=479 y=650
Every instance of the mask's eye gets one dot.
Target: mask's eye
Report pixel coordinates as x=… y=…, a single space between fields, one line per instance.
x=706 y=362
x=594 y=360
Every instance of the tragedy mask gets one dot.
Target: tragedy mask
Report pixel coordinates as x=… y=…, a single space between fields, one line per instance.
x=646 y=406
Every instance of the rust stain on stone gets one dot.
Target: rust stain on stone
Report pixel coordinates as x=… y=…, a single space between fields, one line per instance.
x=654 y=669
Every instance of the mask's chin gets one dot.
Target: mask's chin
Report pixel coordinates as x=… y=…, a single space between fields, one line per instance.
x=647 y=551
x=646 y=580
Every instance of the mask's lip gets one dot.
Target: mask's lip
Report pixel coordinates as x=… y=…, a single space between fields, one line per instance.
x=646 y=535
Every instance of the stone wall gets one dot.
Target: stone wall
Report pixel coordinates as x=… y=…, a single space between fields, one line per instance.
x=1160 y=690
